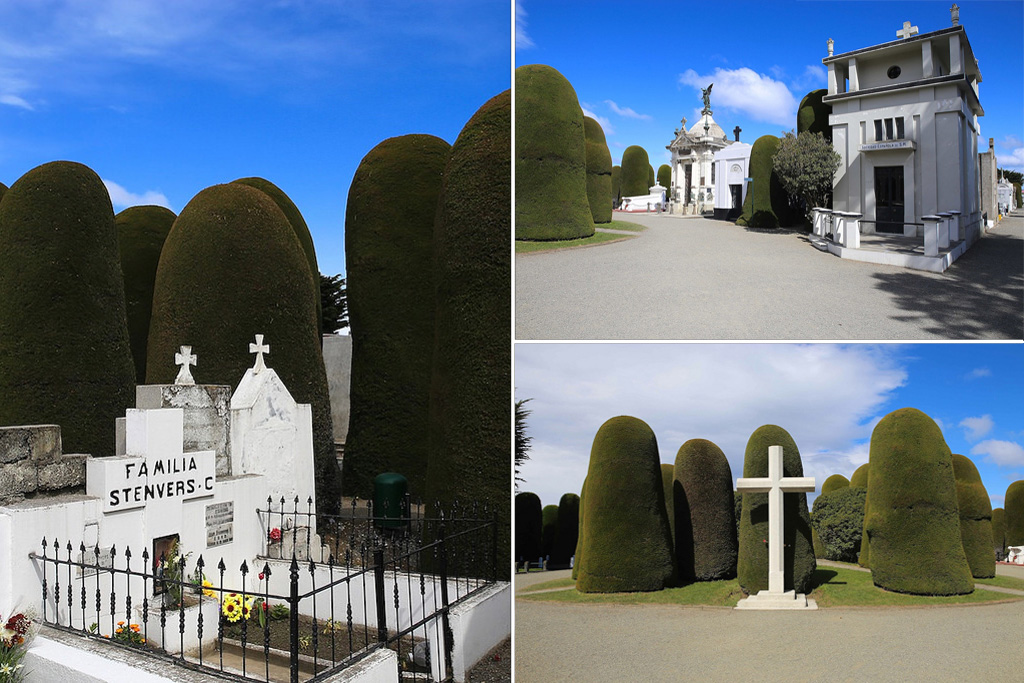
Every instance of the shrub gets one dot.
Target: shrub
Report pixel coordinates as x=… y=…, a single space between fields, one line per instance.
x=141 y=231
x=805 y=165
x=975 y=518
x=529 y=527
x=838 y=518
x=665 y=178
x=768 y=202
x=705 y=525
x=860 y=476
x=860 y=479
x=551 y=158
x=549 y=527
x=616 y=185
x=911 y=516
x=635 y=167
x=626 y=544
x=65 y=356
x=3 y=189
x=389 y=253
x=470 y=421
x=1013 y=504
x=667 y=479
x=578 y=556
x=599 y=172
x=228 y=235
x=812 y=114
x=798 y=556
x=568 y=531
x=650 y=177
x=834 y=483
x=999 y=530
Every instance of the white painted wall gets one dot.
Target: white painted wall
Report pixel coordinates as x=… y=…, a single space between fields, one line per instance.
x=478 y=625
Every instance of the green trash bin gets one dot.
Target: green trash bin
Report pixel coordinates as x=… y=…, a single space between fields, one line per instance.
x=389 y=500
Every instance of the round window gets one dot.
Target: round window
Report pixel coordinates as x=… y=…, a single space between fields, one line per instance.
x=894 y=72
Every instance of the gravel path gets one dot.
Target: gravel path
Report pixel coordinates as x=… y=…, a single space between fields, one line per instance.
x=704 y=279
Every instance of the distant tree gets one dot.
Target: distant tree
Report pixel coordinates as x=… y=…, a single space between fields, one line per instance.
x=1015 y=177
x=522 y=440
x=805 y=165
x=838 y=517
x=333 y=302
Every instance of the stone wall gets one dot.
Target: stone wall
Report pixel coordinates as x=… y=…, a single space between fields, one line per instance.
x=337 y=349
x=31 y=462
x=987 y=163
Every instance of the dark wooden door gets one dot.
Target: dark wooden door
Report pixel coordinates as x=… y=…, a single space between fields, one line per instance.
x=889 y=199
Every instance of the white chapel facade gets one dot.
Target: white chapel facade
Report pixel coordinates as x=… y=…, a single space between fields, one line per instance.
x=693 y=168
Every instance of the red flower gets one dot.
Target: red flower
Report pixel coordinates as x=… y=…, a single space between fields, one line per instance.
x=275 y=534
x=261 y=576
x=18 y=623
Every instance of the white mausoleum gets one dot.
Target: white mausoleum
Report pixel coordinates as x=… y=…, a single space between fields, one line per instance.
x=693 y=169
x=731 y=170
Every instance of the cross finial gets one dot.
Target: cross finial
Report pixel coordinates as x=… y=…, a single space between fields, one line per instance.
x=907 y=30
x=184 y=358
x=259 y=348
x=831 y=46
x=954 y=11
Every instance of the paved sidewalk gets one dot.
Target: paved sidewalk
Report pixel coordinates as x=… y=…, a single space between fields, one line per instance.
x=705 y=279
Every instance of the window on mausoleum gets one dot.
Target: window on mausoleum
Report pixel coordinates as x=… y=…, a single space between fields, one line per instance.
x=889 y=129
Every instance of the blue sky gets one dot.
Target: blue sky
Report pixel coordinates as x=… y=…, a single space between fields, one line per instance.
x=640 y=70
x=829 y=397
x=163 y=99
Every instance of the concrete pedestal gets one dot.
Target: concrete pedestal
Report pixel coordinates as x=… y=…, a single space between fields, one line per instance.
x=768 y=600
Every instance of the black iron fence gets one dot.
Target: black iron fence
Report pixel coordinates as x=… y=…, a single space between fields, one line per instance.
x=352 y=584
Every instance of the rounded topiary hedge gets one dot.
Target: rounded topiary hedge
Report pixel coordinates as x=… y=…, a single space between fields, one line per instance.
x=232 y=268
x=65 y=356
x=3 y=189
x=599 y=172
x=141 y=231
x=860 y=479
x=549 y=527
x=298 y=223
x=529 y=527
x=860 y=476
x=1013 y=504
x=389 y=254
x=616 y=185
x=911 y=515
x=812 y=114
x=834 y=483
x=999 y=530
x=705 y=525
x=551 y=158
x=567 y=533
x=578 y=555
x=668 y=473
x=798 y=555
x=975 y=518
x=626 y=545
x=838 y=519
x=650 y=177
x=470 y=422
x=766 y=205
x=665 y=177
x=633 y=176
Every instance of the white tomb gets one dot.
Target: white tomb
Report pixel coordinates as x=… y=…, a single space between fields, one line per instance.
x=775 y=485
x=652 y=201
x=732 y=168
x=694 y=184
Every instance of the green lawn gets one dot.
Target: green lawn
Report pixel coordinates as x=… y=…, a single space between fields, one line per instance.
x=526 y=246
x=835 y=587
x=1003 y=582
x=623 y=225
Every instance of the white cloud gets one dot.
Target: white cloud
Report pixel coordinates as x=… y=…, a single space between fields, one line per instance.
x=977 y=373
x=523 y=40
x=1010 y=142
x=977 y=427
x=1013 y=161
x=627 y=112
x=1001 y=453
x=606 y=125
x=813 y=78
x=122 y=198
x=759 y=96
x=15 y=101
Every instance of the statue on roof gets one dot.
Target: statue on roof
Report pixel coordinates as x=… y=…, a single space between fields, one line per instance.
x=706 y=94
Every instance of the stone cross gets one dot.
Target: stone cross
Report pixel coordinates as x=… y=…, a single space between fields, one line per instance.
x=907 y=31
x=185 y=358
x=775 y=485
x=259 y=348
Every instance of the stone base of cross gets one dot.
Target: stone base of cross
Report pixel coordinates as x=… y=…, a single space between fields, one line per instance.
x=776 y=597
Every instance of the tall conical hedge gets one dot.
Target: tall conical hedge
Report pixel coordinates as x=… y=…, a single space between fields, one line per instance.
x=705 y=525
x=860 y=479
x=551 y=158
x=389 y=254
x=798 y=555
x=599 y=172
x=232 y=268
x=650 y=177
x=633 y=176
x=911 y=515
x=141 y=231
x=975 y=518
x=568 y=531
x=999 y=530
x=298 y=223
x=668 y=474
x=860 y=476
x=665 y=177
x=812 y=114
x=470 y=421
x=834 y=482
x=626 y=545
x=549 y=527
x=578 y=561
x=3 y=189
x=529 y=527
x=616 y=184
x=769 y=204
x=65 y=356
x=1013 y=504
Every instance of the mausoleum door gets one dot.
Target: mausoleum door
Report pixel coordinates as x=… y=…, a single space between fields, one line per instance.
x=737 y=196
x=689 y=180
x=889 y=199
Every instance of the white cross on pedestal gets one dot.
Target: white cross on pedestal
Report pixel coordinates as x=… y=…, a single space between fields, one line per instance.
x=907 y=30
x=776 y=597
x=259 y=348
x=185 y=358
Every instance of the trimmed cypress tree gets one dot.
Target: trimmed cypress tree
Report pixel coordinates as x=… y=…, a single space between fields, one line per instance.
x=389 y=252
x=529 y=526
x=141 y=231
x=769 y=204
x=626 y=544
x=812 y=114
x=911 y=515
x=665 y=176
x=549 y=527
x=232 y=268
x=705 y=525
x=798 y=556
x=860 y=479
x=667 y=479
x=832 y=483
x=578 y=561
x=633 y=176
x=860 y=476
x=298 y=223
x=3 y=189
x=975 y=518
x=616 y=184
x=650 y=177
x=999 y=530
x=1013 y=504
x=470 y=421
x=65 y=357
x=568 y=531
x=838 y=518
x=551 y=158
x=599 y=172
